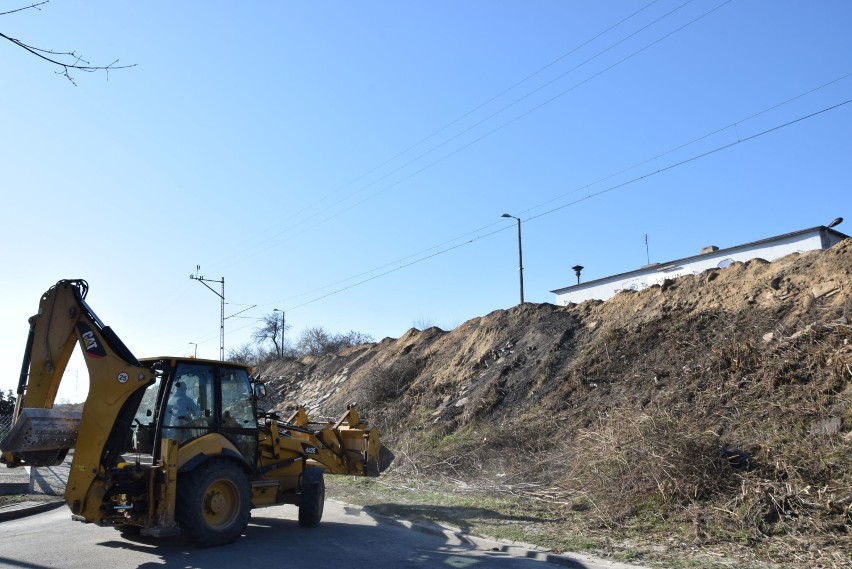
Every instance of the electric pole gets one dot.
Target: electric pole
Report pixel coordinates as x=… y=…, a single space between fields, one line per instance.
x=221 y=295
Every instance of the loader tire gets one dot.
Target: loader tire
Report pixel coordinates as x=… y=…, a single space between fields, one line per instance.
x=311 y=504
x=213 y=503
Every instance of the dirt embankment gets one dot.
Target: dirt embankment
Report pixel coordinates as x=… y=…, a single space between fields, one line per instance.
x=720 y=403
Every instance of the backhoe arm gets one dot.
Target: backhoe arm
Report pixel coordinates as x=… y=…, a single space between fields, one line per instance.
x=42 y=435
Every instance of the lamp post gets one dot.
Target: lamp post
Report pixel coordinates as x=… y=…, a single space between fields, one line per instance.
x=196 y=348
x=520 y=254
x=283 y=321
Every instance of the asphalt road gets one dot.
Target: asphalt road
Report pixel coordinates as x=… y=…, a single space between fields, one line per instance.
x=347 y=538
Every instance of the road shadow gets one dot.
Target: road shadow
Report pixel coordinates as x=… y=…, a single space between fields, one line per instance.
x=456 y=516
x=279 y=542
x=17 y=564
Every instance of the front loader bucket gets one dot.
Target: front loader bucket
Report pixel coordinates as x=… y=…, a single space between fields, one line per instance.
x=42 y=437
x=385 y=459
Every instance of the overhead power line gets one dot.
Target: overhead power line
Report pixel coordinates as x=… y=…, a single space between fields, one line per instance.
x=471 y=235
x=446 y=141
x=475 y=236
x=584 y=198
x=508 y=106
x=482 y=233
x=693 y=141
x=503 y=125
x=692 y=159
x=462 y=116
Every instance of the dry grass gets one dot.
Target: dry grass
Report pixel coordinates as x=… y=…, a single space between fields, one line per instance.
x=625 y=462
x=761 y=463
x=714 y=414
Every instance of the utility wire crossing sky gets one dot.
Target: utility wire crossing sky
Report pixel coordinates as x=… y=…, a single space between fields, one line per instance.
x=349 y=164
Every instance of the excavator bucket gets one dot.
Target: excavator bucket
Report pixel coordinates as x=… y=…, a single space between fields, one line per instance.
x=385 y=459
x=42 y=437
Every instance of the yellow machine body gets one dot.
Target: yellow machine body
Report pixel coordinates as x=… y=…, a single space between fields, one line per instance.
x=169 y=445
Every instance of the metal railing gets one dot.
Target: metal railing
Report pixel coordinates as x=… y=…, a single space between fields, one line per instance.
x=5 y=425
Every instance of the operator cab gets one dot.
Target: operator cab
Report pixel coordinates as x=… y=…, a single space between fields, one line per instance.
x=191 y=398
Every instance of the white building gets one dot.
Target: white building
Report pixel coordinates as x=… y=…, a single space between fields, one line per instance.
x=821 y=237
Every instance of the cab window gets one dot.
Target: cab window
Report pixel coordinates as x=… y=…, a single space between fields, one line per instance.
x=190 y=403
x=238 y=421
x=144 y=420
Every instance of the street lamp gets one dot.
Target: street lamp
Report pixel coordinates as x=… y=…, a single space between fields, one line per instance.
x=520 y=254
x=196 y=348
x=281 y=354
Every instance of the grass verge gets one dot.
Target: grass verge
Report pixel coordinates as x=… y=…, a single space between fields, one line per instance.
x=513 y=519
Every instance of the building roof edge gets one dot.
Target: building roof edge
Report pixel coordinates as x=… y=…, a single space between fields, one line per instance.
x=647 y=268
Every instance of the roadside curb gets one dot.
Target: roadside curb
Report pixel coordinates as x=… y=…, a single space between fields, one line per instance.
x=514 y=549
x=16 y=481
x=22 y=487
x=28 y=508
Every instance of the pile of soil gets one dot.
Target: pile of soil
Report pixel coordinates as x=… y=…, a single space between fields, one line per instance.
x=718 y=403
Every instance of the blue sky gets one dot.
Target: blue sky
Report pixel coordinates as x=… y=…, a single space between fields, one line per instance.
x=298 y=148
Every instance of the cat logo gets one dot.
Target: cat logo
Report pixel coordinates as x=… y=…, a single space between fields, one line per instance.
x=90 y=341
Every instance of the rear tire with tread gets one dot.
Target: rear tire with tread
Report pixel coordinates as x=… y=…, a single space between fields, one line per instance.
x=213 y=503
x=311 y=504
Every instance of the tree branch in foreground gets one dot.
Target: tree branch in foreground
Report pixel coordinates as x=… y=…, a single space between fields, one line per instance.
x=66 y=60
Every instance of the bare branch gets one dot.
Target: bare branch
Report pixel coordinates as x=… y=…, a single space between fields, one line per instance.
x=31 y=6
x=75 y=61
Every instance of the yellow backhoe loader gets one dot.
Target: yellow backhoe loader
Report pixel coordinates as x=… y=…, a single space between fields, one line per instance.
x=167 y=446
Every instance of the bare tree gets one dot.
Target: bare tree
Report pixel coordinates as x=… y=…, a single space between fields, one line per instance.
x=269 y=330
x=245 y=354
x=352 y=338
x=314 y=341
x=66 y=61
x=317 y=341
